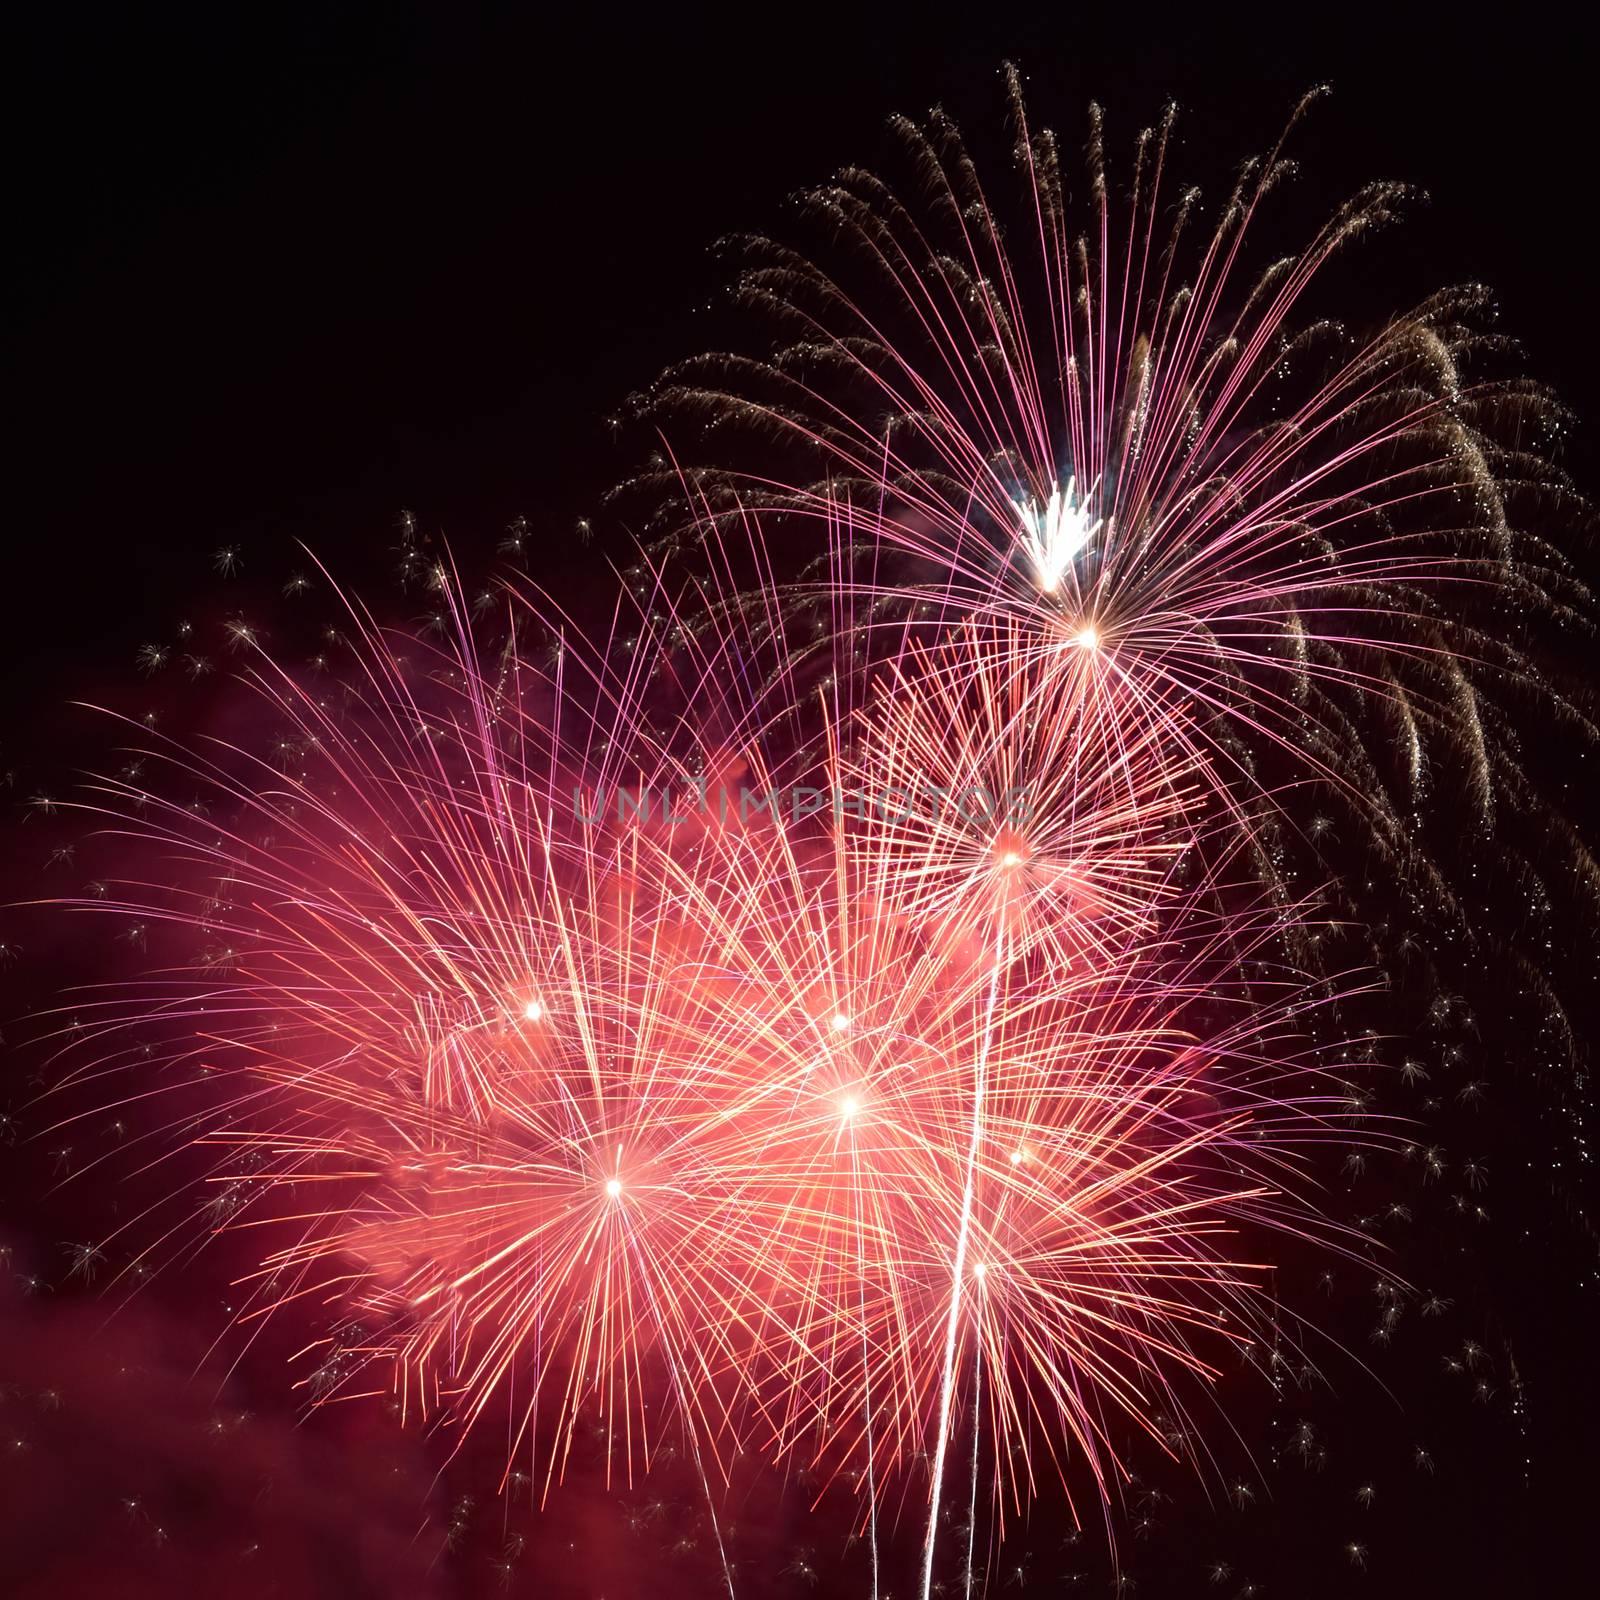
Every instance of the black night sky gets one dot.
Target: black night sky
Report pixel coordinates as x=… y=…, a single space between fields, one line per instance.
x=278 y=274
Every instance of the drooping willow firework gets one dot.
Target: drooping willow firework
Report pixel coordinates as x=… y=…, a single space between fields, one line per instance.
x=820 y=1010
x=1336 y=551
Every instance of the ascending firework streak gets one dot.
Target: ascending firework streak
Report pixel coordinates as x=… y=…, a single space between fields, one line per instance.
x=846 y=1013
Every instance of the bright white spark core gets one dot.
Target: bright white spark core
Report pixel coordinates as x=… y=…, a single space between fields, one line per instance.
x=613 y=1187
x=1053 y=536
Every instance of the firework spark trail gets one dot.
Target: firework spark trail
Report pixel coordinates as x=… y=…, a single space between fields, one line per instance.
x=977 y=1420
x=694 y=1447
x=958 y=1270
x=866 y=1395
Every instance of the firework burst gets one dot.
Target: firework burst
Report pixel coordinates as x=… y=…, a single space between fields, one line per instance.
x=842 y=1002
x=1316 y=558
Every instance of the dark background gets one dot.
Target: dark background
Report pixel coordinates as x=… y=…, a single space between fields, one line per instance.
x=276 y=274
x=280 y=272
